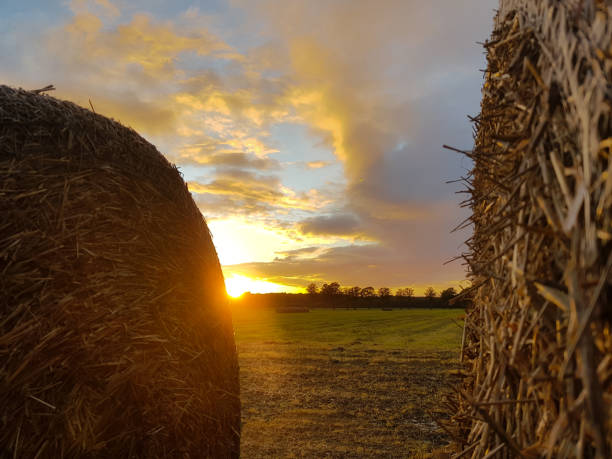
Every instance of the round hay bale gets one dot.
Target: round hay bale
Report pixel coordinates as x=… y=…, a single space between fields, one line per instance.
x=115 y=335
x=537 y=339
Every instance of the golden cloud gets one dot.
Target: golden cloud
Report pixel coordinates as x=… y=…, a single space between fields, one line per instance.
x=152 y=46
x=317 y=164
x=245 y=190
x=131 y=71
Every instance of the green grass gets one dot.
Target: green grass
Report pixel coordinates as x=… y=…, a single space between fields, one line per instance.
x=345 y=383
x=416 y=329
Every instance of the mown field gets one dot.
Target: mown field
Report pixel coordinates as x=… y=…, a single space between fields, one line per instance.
x=345 y=383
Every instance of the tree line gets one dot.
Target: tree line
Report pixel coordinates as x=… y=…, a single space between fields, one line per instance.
x=334 y=289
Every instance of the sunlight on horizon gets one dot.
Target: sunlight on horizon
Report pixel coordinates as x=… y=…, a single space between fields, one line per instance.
x=238 y=240
x=237 y=285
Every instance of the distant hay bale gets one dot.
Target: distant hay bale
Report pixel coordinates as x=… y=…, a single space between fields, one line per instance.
x=116 y=339
x=538 y=346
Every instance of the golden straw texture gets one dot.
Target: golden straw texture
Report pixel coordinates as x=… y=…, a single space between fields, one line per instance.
x=115 y=337
x=537 y=347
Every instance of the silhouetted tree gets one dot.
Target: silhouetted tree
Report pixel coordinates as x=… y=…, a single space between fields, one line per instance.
x=448 y=293
x=407 y=292
x=430 y=292
x=384 y=292
x=331 y=289
x=353 y=291
x=312 y=289
x=368 y=292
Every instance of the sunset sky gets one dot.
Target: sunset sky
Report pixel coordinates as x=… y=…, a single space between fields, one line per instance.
x=310 y=132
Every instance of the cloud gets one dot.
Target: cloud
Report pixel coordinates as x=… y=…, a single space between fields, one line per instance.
x=143 y=44
x=346 y=65
x=104 y=7
x=318 y=164
x=340 y=224
x=215 y=153
x=129 y=109
x=241 y=160
x=130 y=68
x=111 y=9
x=301 y=253
x=243 y=192
x=383 y=88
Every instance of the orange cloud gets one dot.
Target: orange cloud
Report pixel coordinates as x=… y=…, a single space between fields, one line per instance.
x=317 y=164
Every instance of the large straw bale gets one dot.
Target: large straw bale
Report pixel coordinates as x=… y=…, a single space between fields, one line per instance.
x=537 y=347
x=115 y=336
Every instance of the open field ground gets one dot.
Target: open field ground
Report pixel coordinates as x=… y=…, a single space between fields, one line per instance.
x=344 y=383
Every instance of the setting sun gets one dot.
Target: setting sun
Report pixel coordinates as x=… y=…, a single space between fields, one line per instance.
x=237 y=285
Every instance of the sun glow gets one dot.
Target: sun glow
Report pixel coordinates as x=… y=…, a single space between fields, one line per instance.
x=236 y=285
x=238 y=241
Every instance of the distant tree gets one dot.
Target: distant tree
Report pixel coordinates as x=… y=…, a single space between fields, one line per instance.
x=368 y=292
x=430 y=292
x=331 y=289
x=384 y=292
x=312 y=289
x=448 y=293
x=353 y=291
x=406 y=292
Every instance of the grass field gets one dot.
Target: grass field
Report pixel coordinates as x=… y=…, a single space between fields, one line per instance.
x=344 y=383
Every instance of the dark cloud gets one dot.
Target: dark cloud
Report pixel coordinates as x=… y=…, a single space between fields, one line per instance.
x=296 y=253
x=335 y=225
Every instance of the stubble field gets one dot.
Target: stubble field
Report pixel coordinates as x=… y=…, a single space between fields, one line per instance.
x=345 y=383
